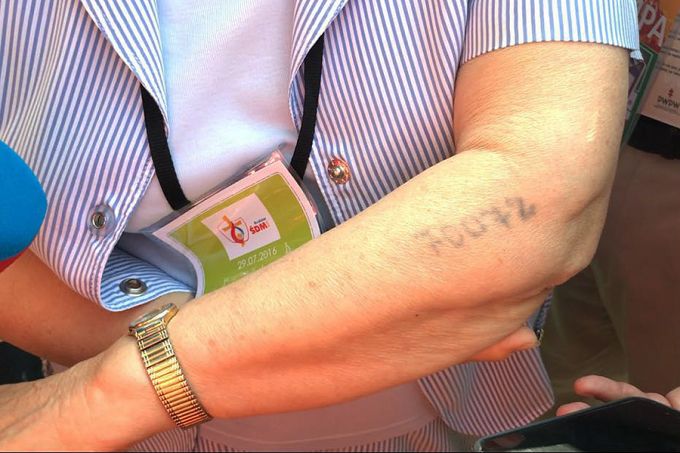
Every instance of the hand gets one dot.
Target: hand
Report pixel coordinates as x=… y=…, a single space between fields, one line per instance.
x=605 y=389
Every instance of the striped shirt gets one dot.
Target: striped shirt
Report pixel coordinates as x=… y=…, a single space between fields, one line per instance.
x=70 y=106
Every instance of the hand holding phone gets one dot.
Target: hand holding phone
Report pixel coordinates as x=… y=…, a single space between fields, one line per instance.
x=630 y=424
x=605 y=390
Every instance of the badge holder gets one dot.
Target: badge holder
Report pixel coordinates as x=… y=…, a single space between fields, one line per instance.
x=242 y=226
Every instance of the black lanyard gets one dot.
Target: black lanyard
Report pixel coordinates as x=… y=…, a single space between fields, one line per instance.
x=158 y=140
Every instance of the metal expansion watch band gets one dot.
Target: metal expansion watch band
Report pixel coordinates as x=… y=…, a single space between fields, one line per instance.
x=163 y=368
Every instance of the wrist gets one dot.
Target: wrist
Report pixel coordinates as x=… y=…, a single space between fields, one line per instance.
x=206 y=362
x=123 y=397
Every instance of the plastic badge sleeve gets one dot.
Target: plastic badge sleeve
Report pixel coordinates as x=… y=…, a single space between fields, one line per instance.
x=243 y=226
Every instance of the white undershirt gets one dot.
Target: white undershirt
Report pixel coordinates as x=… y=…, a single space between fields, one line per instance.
x=226 y=66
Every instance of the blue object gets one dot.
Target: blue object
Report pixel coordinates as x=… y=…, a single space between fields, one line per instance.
x=22 y=204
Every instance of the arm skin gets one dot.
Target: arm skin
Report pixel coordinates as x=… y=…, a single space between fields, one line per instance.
x=89 y=329
x=35 y=320
x=447 y=265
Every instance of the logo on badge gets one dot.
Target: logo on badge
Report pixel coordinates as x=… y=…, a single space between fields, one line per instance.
x=243 y=226
x=236 y=231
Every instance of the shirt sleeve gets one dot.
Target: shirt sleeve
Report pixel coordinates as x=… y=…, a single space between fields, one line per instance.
x=495 y=24
x=120 y=269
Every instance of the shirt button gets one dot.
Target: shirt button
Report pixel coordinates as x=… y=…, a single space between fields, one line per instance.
x=338 y=170
x=133 y=286
x=101 y=220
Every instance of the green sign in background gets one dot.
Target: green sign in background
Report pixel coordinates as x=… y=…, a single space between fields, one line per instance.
x=218 y=269
x=650 y=57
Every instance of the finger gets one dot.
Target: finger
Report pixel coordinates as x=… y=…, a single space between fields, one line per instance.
x=509 y=441
x=658 y=398
x=605 y=389
x=520 y=340
x=571 y=407
x=673 y=398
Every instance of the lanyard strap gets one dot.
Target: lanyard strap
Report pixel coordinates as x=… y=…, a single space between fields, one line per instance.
x=303 y=147
x=158 y=140
x=160 y=153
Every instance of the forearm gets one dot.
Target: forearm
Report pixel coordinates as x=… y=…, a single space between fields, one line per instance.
x=42 y=315
x=376 y=301
x=330 y=323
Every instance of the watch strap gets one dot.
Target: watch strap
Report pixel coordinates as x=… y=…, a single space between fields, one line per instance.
x=166 y=375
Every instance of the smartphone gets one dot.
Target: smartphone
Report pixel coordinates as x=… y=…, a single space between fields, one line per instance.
x=630 y=424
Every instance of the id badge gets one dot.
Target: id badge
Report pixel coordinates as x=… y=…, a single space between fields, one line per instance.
x=244 y=226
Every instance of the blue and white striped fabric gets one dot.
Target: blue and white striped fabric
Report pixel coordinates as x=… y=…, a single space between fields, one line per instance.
x=434 y=436
x=70 y=105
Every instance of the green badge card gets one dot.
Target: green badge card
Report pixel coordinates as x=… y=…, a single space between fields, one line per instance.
x=243 y=227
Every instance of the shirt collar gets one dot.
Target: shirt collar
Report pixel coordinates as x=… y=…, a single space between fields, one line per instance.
x=132 y=29
x=312 y=18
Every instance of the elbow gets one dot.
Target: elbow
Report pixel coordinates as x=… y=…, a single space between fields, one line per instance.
x=577 y=254
x=577 y=233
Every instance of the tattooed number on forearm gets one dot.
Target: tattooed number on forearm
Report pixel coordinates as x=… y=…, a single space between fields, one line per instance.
x=514 y=210
x=525 y=211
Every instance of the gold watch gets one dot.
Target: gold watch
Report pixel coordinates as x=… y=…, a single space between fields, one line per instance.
x=163 y=368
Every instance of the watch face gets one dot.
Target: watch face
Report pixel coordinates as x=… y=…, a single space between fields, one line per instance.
x=148 y=317
x=154 y=315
